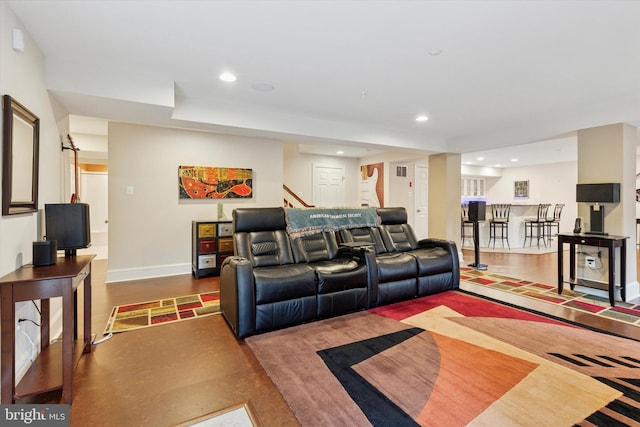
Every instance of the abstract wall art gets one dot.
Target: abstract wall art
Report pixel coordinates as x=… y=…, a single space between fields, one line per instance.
x=203 y=182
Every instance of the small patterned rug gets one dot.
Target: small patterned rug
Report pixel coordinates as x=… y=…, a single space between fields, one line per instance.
x=151 y=313
x=624 y=312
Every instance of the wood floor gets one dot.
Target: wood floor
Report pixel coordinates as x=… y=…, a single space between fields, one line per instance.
x=166 y=375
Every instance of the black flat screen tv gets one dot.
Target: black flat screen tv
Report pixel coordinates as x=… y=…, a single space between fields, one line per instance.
x=598 y=193
x=68 y=224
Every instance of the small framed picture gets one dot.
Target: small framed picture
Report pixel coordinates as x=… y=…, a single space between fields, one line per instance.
x=521 y=190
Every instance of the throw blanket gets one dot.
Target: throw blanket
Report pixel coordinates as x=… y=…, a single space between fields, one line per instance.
x=303 y=222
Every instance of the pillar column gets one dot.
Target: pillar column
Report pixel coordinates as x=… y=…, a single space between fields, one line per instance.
x=608 y=154
x=444 y=197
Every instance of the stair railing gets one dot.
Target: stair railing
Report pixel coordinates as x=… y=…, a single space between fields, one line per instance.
x=292 y=200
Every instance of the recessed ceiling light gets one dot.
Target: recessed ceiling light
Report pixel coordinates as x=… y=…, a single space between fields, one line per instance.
x=263 y=87
x=514 y=160
x=227 y=77
x=339 y=152
x=435 y=52
x=498 y=166
x=422 y=118
x=480 y=159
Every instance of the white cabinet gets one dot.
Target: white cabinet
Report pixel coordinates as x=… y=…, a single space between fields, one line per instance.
x=472 y=187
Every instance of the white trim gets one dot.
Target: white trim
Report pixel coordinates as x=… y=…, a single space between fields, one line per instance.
x=149 y=272
x=632 y=290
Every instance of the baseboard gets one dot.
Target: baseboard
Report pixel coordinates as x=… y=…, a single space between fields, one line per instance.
x=633 y=290
x=126 y=274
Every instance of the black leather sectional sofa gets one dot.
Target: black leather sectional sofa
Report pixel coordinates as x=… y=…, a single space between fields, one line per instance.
x=274 y=281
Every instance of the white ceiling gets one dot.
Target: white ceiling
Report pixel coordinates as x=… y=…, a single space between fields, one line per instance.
x=556 y=150
x=347 y=73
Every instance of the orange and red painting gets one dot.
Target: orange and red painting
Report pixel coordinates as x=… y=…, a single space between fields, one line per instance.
x=202 y=182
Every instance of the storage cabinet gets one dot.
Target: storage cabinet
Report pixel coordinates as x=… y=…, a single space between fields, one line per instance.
x=211 y=243
x=472 y=187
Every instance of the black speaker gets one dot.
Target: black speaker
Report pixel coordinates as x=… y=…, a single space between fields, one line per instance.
x=45 y=252
x=477 y=211
x=598 y=193
x=68 y=224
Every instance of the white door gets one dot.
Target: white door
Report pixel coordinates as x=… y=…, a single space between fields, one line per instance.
x=420 y=195
x=328 y=186
x=94 y=191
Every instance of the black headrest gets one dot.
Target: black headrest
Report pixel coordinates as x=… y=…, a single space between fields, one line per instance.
x=258 y=219
x=392 y=215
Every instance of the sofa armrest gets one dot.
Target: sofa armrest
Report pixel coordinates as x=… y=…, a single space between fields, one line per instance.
x=237 y=295
x=449 y=246
x=365 y=254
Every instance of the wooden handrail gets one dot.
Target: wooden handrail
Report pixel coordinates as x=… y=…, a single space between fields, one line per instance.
x=296 y=197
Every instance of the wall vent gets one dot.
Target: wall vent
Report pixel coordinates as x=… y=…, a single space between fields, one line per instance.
x=401 y=171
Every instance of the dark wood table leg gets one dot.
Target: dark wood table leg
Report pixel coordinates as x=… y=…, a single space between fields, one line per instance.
x=572 y=265
x=623 y=270
x=8 y=345
x=45 y=319
x=560 y=267
x=67 y=342
x=612 y=273
x=75 y=314
x=87 y=313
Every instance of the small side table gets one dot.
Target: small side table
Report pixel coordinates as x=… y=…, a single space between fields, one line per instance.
x=31 y=283
x=600 y=241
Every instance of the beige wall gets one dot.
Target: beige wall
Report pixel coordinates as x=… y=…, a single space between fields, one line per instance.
x=549 y=183
x=150 y=231
x=22 y=77
x=444 y=197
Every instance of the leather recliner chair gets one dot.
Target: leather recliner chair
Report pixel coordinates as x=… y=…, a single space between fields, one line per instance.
x=261 y=287
x=343 y=276
x=438 y=265
x=397 y=271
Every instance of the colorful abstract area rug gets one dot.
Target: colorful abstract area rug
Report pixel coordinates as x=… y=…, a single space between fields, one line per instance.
x=623 y=312
x=452 y=359
x=159 y=312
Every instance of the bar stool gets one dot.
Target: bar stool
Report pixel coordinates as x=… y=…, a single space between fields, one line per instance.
x=499 y=220
x=465 y=224
x=539 y=222
x=555 y=221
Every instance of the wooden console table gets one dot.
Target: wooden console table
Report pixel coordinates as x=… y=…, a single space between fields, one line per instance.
x=32 y=283
x=600 y=241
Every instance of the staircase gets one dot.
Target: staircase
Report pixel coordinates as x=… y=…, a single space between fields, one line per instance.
x=292 y=200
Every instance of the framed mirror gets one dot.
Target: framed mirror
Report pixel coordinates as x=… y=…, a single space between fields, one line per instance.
x=20 y=158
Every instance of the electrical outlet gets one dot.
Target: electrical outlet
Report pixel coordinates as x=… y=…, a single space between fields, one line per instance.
x=590 y=261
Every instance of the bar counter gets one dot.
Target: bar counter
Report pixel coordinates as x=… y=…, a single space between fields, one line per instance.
x=519 y=211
